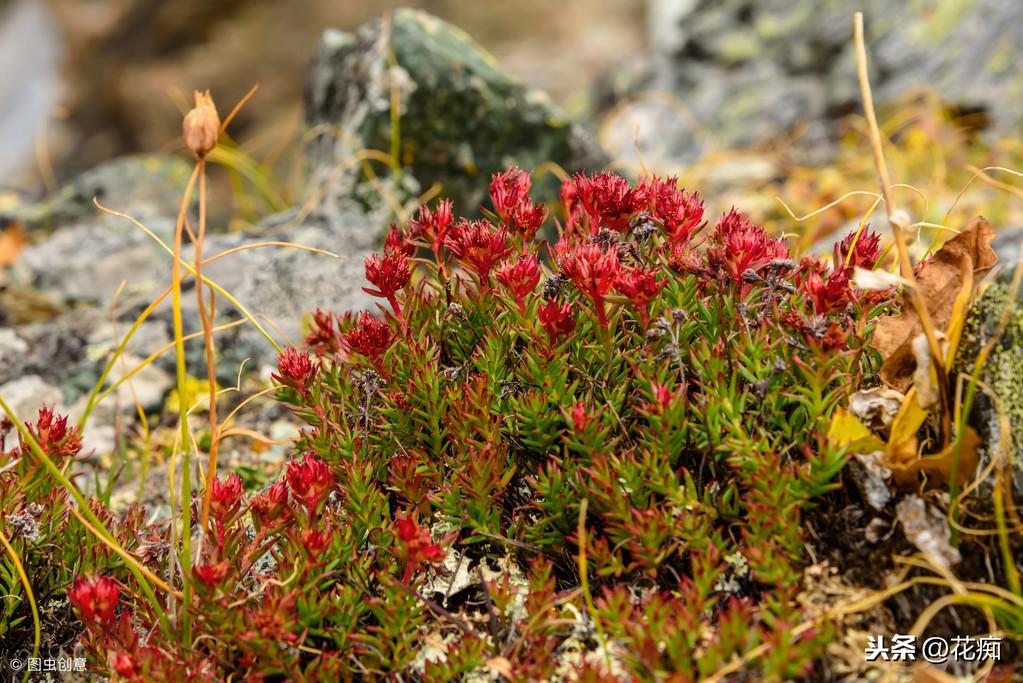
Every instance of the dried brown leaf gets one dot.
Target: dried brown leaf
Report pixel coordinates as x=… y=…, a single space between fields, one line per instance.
x=940 y=280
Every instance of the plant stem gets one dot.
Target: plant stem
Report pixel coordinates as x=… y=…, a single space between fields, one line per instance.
x=905 y=265
x=185 y=555
x=207 y=330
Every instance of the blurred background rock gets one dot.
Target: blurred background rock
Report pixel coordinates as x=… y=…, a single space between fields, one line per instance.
x=83 y=81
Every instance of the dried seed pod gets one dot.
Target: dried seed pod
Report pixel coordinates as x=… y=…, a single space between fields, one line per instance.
x=201 y=127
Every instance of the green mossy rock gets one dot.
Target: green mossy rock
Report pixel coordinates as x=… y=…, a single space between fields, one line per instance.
x=460 y=117
x=1003 y=373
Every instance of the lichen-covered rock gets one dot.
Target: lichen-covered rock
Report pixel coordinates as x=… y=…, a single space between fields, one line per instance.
x=747 y=71
x=459 y=117
x=1002 y=373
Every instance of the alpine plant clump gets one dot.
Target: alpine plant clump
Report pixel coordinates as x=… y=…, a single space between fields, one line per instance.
x=533 y=462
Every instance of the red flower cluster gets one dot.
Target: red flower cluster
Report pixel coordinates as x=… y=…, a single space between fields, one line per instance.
x=509 y=192
x=741 y=246
x=479 y=245
x=521 y=278
x=54 y=436
x=397 y=242
x=641 y=286
x=679 y=213
x=270 y=505
x=858 y=249
x=295 y=369
x=580 y=418
x=417 y=547
x=315 y=541
x=825 y=292
x=310 y=481
x=96 y=599
x=432 y=226
x=388 y=273
x=124 y=665
x=370 y=337
x=557 y=320
x=593 y=270
x=211 y=574
x=322 y=338
x=226 y=497
x=607 y=199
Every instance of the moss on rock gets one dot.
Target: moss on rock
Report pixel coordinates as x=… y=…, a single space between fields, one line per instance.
x=1002 y=373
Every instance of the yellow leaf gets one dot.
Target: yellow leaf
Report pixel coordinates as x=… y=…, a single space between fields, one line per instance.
x=938 y=467
x=846 y=430
x=960 y=309
x=908 y=420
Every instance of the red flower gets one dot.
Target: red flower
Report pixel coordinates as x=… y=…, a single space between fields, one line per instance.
x=273 y=617
x=826 y=293
x=370 y=337
x=641 y=286
x=593 y=271
x=679 y=213
x=226 y=497
x=835 y=337
x=322 y=339
x=741 y=246
x=295 y=369
x=397 y=242
x=520 y=278
x=573 y=206
x=608 y=199
x=527 y=219
x=480 y=245
x=270 y=505
x=211 y=574
x=417 y=547
x=557 y=319
x=310 y=481
x=579 y=417
x=681 y=259
x=858 y=249
x=433 y=226
x=316 y=541
x=388 y=274
x=508 y=190
x=662 y=399
x=55 y=438
x=124 y=665
x=96 y=599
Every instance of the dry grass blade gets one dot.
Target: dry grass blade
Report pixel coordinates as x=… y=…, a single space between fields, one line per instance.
x=897 y=223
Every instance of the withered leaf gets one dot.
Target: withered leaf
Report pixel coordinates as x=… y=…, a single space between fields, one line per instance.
x=940 y=280
x=906 y=464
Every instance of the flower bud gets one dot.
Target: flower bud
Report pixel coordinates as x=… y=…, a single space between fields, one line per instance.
x=201 y=127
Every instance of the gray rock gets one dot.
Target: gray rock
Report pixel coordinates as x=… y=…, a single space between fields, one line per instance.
x=1003 y=373
x=145 y=185
x=82 y=255
x=460 y=119
x=746 y=72
x=27 y=394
